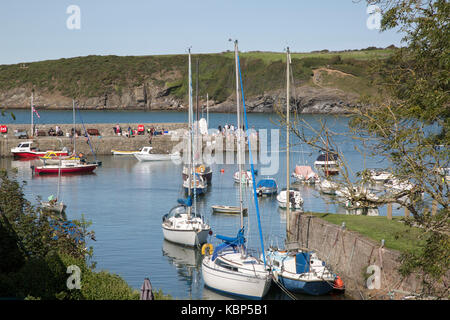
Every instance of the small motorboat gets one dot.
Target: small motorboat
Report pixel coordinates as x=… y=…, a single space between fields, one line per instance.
x=66 y=168
x=228 y=209
x=379 y=175
x=123 y=153
x=266 y=187
x=25 y=150
x=53 y=206
x=204 y=171
x=199 y=183
x=305 y=174
x=146 y=155
x=328 y=187
x=52 y=158
x=328 y=163
x=295 y=199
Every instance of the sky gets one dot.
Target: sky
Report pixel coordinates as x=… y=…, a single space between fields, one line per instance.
x=46 y=30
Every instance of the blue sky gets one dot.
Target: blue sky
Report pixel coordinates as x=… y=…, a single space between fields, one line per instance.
x=36 y=30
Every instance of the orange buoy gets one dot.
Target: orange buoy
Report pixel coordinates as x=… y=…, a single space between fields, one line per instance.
x=338 y=283
x=222 y=170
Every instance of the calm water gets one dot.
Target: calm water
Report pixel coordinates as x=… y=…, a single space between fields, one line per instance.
x=125 y=201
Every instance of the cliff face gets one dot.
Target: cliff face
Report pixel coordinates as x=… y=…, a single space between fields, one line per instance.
x=306 y=99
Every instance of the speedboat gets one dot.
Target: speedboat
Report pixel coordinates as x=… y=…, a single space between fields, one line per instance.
x=146 y=155
x=301 y=272
x=305 y=174
x=266 y=187
x=184 y=227
x=27 y=151
x=295 y=199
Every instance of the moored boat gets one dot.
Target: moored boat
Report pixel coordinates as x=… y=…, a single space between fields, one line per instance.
x=267 y=187
x=146 y=155
x=25 y=150
x=228 y=209
x=66 y=168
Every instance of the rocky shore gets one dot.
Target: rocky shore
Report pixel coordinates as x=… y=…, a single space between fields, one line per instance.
x=305 y=99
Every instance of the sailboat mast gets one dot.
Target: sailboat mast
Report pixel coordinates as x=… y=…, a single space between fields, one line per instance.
x=190 y=132
x=288 y=61
x=32 y=102
x=236 y=52
x=74 y=129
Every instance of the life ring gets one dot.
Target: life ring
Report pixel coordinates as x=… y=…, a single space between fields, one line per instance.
x=205 y=246
x=200 y=169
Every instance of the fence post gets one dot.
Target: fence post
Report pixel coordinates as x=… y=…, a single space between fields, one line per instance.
x=389 y=211
x=434 y=208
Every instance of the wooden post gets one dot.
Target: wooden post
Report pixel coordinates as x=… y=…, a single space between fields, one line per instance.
x=389 y=211
x=406 y=212
x=434 y=208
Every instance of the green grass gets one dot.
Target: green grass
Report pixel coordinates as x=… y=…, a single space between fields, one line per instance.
x=396 y=234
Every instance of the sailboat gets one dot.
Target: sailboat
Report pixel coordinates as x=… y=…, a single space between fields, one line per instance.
x=53 y=205
x=298 y=271
x=201 y=169
x=67 y=166
x=231 y=268
x=181 y=225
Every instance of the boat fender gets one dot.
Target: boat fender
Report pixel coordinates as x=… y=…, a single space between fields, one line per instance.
x=207 y=246
x=338 y=283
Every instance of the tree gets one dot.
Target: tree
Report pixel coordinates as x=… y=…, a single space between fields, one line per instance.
x=407 y=124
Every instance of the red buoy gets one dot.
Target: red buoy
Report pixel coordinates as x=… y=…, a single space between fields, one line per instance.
x=338 y=283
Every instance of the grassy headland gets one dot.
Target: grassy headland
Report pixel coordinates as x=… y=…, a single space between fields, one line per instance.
x=97 y=76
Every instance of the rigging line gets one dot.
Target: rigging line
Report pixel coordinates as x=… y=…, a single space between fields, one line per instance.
x=251 y=164
x=85 y=131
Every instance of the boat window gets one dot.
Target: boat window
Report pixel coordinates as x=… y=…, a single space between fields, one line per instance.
x=24 y=145
x=177 y=211
x=225 y=265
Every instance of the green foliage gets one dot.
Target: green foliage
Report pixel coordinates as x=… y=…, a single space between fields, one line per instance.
x=37 y=248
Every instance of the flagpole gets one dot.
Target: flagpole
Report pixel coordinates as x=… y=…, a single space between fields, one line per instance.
x=31 y=109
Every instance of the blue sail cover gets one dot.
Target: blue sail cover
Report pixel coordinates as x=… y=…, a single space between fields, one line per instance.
x=302 y=262
x=235 y=242
x=267 y=183
x=185 y=202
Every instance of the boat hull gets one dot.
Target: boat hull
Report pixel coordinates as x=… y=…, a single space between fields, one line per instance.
x=242 y=285
x=156 y=157
x=89 y=168
x=189 y=238
x=34 y=154
x=206 y=176
x=314 y=288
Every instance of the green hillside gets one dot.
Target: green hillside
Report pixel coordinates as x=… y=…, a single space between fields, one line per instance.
x=94 y=76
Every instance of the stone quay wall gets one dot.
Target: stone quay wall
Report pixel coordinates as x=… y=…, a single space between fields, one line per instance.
x=350 y=255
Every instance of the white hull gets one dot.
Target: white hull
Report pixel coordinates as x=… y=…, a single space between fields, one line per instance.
x=281 y=198
x=189 y=238
x=157 y=157
x=244 y=283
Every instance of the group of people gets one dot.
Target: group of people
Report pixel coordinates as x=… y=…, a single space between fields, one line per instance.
x=57 y=132
x=229 y=129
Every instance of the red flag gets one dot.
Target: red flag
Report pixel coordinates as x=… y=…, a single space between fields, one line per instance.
x=34 y=110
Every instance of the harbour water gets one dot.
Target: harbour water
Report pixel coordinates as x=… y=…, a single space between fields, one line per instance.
x=126 y=199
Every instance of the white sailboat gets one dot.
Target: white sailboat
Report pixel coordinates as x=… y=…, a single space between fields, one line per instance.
x=231 y=268
x=297 y=270
x=181 y=225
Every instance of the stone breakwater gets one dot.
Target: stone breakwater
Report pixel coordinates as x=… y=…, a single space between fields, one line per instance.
x=102 y=144
x=174 y=140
